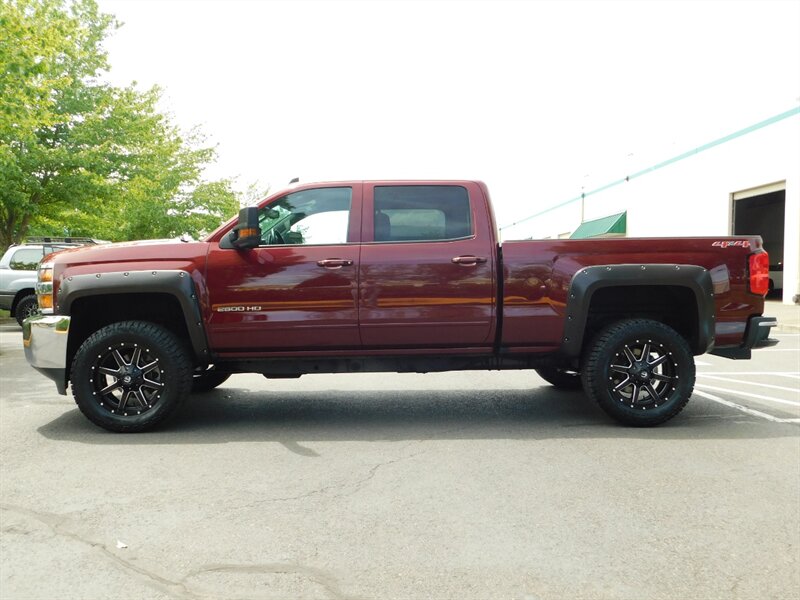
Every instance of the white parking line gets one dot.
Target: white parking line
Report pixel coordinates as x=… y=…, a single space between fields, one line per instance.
x=781 y=373
x=760 y=350
x=744 y=409
x=763 y=385
x=748 y=394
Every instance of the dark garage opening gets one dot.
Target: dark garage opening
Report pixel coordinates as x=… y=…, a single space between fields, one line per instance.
x=764 y=215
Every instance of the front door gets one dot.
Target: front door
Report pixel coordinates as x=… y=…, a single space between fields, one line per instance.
x=297 y=291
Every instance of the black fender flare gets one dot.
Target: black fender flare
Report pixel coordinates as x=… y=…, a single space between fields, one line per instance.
x=590 y=279
x=175 y=283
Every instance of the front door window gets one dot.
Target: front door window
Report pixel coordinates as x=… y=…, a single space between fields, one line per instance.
x=307 y=218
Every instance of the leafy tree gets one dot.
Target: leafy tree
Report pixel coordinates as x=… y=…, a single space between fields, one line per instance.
x=255 y=192
x=78 y=155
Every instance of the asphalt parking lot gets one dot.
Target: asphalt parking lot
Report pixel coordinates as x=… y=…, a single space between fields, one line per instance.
x=457 y=485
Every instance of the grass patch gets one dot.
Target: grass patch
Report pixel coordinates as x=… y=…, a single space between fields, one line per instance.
x=4 y=313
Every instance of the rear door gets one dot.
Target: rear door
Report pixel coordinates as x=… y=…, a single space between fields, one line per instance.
x=297 y=290
x=427 y=274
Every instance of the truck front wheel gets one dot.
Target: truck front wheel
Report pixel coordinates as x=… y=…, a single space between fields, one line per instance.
x=131 y=376
x=641 y=372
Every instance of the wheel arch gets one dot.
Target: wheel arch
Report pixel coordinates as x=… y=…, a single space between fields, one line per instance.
x=600 y=294
x=167 y=298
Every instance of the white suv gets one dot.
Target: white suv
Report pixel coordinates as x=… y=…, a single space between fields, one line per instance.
x=18 y=273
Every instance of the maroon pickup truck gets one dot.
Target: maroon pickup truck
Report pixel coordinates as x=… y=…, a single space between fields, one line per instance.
x=394 y=276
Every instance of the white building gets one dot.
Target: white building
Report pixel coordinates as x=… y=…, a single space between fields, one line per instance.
x=747 y=182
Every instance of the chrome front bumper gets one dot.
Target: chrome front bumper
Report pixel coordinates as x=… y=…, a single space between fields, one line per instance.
x=45 y=340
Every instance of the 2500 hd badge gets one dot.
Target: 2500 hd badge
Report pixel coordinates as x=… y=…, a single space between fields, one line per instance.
x=248 y=308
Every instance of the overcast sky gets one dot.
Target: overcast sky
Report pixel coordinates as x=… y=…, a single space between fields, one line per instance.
x=538 y=99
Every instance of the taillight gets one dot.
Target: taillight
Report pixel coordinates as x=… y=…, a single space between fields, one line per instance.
x=759 y=273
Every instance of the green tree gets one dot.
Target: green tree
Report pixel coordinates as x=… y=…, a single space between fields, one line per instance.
x=80 y=155
x=255 y=192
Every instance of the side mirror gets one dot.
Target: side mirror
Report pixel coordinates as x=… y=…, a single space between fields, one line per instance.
x=247 y=234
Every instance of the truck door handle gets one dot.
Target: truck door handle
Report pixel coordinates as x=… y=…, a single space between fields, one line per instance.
x=468 y=261
x=334 y=263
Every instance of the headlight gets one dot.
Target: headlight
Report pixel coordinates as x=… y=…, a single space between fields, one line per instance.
x=44 y=288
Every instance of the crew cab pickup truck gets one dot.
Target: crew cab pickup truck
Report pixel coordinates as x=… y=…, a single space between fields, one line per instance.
x=400 y=276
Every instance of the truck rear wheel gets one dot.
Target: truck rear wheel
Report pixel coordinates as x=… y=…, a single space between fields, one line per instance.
x=131 y=376
x=641 y=372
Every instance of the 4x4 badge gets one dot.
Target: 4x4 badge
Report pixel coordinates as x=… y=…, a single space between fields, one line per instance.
x=732 y=244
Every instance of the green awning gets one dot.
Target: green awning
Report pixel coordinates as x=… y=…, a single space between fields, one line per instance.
x=613 y=225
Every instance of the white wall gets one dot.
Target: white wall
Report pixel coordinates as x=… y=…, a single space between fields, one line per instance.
x=692 y=197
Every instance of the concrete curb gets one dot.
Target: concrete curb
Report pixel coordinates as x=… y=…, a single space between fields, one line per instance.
x=788 y=316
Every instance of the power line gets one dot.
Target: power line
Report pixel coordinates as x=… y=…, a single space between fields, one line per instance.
x=662 y=164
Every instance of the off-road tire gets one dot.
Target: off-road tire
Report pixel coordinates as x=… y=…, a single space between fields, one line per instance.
x=205 y=381
x=631 y=355
x=560 y=378
x=27 y=307
x=131 y=376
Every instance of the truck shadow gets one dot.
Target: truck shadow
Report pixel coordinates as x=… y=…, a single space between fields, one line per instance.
x=293 y=418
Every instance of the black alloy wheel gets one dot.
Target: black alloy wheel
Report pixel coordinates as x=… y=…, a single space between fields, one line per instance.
x=641 y=372
x=131 y=376
x=127 y=378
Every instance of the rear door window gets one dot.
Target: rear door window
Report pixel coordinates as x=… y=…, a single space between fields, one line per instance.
x=418 y=213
